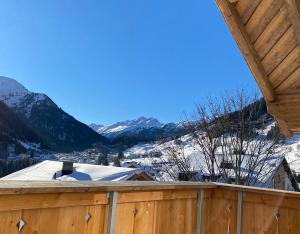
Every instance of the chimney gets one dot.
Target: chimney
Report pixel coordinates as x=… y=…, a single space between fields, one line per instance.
x=67 y=168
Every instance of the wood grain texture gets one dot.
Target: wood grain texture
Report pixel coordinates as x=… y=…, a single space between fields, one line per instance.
x=31 y=201
x=262 y=16
x=268 y=35
x=273 y=32
x=155 y=195
x=8 y=222
x=246 y=46
x=280 y=51
x=246 y=8
x=285 y=69
x=173 y=213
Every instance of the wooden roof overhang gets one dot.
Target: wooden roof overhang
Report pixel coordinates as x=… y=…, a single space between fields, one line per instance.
x=268 y=35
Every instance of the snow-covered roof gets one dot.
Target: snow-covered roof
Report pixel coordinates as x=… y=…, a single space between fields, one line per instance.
x=51 y=170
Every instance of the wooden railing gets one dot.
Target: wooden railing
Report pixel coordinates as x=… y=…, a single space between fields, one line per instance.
x=143 y=207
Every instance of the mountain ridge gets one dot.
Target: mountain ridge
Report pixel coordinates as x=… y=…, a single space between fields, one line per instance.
x=59 y=131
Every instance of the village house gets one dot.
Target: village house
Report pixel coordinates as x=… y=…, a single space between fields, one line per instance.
x=68 y=171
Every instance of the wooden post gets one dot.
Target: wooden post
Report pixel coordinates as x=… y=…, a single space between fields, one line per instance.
x=113 y=198
x=200 y=200
x=239 y=212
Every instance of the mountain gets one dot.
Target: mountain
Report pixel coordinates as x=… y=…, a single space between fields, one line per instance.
x=129 y=126
x=14 y=131
x=58 y=130
x=143 y=129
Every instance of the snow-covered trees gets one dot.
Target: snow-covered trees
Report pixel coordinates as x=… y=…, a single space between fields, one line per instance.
x=230 y=142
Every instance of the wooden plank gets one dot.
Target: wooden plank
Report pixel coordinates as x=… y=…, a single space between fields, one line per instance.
x=273 y=32
x=8 y=222
x=183 y=216
x=285 y=68
x=294 y=217
x=269 y=218
x=248 y=218
x=262 y=17
x=220 y=214
x=280 y=51
x=288 y=97
x=191 y=216
x=290 y=83
x=206 y=211
x=237 y=28
x=275 y=201
x=221 y=194
x=163 y=217
x=71 y=220
x=259 y=219
x=280 y=111
x=50 y=187
x=34 y=201
x=144 y=220
x=284 y=222
x=40 y=221
x=294 y=15
x=98 y=222
x=125 y=218
x=129 y=197
x=245 y=8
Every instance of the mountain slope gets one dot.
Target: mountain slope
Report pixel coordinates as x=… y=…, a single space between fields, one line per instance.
x=13 y=130
x=129 y=126
x=140 y=130
x=58 y=130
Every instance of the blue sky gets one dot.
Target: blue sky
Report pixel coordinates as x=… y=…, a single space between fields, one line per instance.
x=109 y=60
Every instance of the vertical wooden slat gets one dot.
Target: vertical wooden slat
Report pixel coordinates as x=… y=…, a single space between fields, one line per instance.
x=144 y=219
x=71 y=220
x=98 y=222
x=8 y=222
x=40 y=221
x=124 y=223
x=163 y=217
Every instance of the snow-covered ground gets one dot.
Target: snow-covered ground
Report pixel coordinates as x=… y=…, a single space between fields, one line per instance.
x=141 y=155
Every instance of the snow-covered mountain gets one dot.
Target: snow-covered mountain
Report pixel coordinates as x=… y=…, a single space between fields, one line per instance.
x=13 y=94
x=57 y=129
x=141 y=130
x=129 y=126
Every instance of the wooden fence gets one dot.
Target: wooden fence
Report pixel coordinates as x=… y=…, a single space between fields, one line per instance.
x=142 y=208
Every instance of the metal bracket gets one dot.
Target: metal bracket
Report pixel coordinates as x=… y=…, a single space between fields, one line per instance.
x=113 y=199
x=239 y=212
x=20 y=225
x=200 y=200
x=88 y=217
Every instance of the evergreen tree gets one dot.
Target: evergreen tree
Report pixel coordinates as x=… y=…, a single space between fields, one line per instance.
x=105 y=161
x=117 y=162
x=120 y=155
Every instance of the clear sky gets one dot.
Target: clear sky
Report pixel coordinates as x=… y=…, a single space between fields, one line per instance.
x=110 y=60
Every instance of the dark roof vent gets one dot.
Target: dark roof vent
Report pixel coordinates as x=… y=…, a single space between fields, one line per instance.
x=226 y=165
x=67 y=168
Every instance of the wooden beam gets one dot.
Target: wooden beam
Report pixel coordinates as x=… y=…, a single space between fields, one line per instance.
x=237 y=28
x=284 y=128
